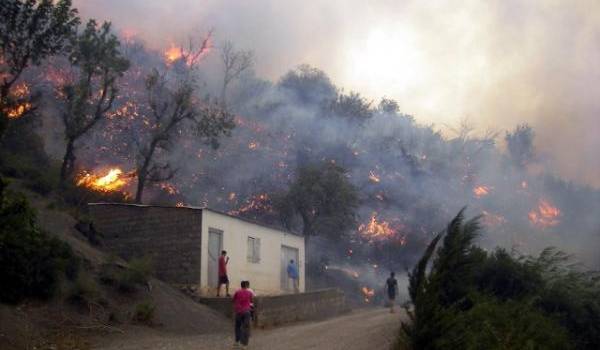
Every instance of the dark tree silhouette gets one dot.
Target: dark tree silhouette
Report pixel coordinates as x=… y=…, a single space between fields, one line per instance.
x=30 y=32
x=99 y=64
x=171 y=107
x=235 y=62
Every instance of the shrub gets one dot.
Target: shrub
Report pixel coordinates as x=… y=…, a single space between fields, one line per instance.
x=137 y=273
x=144 y=312
x=31 y=262
x=495 y=325
x=126 y=279
x=83 y=290
x=470 y=299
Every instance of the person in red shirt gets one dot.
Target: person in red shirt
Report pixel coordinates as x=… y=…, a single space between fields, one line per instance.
x=223 y=278
x=242 y=305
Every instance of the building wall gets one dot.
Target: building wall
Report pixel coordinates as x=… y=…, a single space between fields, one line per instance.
x=264 y=276
x=277 y=310
x=170 y=236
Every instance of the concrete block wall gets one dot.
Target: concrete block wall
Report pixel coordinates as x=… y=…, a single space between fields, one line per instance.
x=277 y=310
x=170 y=236
x=287 y=308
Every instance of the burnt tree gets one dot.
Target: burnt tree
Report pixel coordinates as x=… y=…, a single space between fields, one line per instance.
x=173 y=106
x=235 y=63
x=99 y=63
x=30 y=32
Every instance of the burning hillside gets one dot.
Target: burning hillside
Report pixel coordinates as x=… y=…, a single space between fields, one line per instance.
x=410 y=177
x=111 y=180
x=545 y=215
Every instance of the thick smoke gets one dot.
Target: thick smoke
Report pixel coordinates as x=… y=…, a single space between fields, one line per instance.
x=411 y=177
x=499 y=63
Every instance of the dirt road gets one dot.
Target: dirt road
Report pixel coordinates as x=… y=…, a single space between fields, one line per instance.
x=365 y=329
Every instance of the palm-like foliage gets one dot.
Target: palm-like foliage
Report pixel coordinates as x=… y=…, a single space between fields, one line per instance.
x=470 y=299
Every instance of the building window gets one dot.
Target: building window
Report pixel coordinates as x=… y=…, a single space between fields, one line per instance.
x=253 y=250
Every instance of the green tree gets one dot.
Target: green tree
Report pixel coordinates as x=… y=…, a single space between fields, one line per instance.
x=95 y=54
x=323 y=198
x=469 y=299
x=519 y=143
x=351 y=106
x=170 y=109
x=30 y=31
x=31 y=262
x=308 y=85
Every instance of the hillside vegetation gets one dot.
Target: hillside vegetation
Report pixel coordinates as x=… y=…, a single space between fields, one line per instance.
x=475 y=299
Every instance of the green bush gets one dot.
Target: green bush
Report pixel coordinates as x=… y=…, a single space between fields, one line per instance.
x=126 y=279
x=31 y=262
x=470 y=299
x=137 y=273
x=144 y=312
x=83 y=290
x=494 y=325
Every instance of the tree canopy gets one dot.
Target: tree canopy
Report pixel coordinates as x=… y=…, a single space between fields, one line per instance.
x=30 y=32
x=324 y=199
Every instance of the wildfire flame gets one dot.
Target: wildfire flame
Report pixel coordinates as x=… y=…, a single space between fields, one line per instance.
x=173 y=54
x=374 y=177
x=20 y=94
x=368 y=293
x=545 y=215
x=112 y=181
x=376 y=229
x=481 y=191
x=257 y=203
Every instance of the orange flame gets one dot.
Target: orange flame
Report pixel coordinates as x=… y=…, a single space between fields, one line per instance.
x=545 y=215
x=173 y=53
x=481 y=191
x=20 y=94
x=259 y=202
x=374 y=177
x=376 y=229
x=169 y=188
x=368 y=293
x=114 y=180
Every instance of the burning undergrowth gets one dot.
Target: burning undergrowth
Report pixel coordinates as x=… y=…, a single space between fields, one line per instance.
x=411 y=179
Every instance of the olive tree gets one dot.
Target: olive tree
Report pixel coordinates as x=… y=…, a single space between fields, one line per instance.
x=99 y=63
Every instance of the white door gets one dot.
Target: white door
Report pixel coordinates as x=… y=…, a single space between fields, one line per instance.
x=287 y=254
x=215 y=246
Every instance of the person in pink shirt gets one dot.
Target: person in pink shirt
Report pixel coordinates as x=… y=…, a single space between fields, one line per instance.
x=242 y=305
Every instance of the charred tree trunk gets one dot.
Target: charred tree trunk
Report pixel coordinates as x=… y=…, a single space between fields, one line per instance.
x=68 y=161
x=140 y=185
x=142 y=171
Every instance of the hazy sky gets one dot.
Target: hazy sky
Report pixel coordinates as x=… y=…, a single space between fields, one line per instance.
x=497 y=63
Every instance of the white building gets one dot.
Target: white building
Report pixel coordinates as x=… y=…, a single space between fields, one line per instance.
x=257 y=253
x=186 y=242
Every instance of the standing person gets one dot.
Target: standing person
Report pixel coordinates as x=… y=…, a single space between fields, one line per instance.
x=293 y=276
x=223 y=278
x=242 y=305
x=392 y=289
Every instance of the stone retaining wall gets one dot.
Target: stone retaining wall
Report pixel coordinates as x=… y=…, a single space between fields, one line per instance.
x=272 y=311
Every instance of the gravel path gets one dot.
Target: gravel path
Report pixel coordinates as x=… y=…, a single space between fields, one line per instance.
x=364 y=329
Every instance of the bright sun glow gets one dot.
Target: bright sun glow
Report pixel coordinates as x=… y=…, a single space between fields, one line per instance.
x=388 y=58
